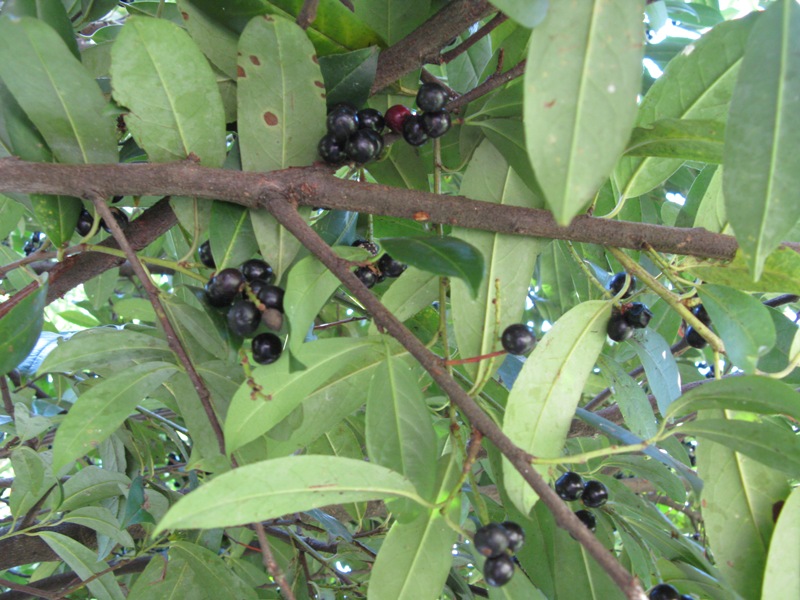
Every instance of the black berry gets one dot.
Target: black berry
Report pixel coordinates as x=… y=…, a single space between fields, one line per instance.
x=391 y=267
x=588 y=519
x=569 y=486
x=638 y=315
x=431 y=97
x=518 y=339
x=694 y=339
x=618 y=328
x=221 y=289
x=413 y=131
x=266 y=348
x=516 y=535
x=594 y=495
x=370 y=247
x=366 y=276
x=369 y=118
x=616 y=283
x=700 y=312
x=685 y=597
x=120 y=217
x=436 y=123
x=331 y=150
x=395 y=117
x=663 y=591
x=84 y=224
x=204 y=253
x=491 y=540
x=256 y=269
x=498 y=570
x=363 y=146
x=342 y=121
x=271 y=296
x=243 y=318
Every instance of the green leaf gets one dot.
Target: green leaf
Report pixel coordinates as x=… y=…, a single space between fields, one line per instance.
x=583 y=73
x=464 y=71
x=402 y=167
x=135 y=512
x=697 y=84
x=168 y=579
x=546 y=393
x=309 y=286
x=686 y=139
x=659 y=365
x=510 y=260
x=21 y=320
x=103 y=408
x=762 y=166
x=231 y=234
x=11 y=212
x=410 y=294
x=399 y=433
x=630 y=397
x=90 y=485
x=782 y=572
x=198 y=330
x=212 y=571
x=273 y=488
x=278 y=247
x=528 y=13
x=740 y=492
x=780 y=272
x=171 y=115
x=32 y=480
x=749 y=393
x=52 y=13
x=742 y=322
x=508 y=136
x=102 y=521
x=448 y=257
x=392 y=20
x=85 y=564
x=216 y=41
x=280 y=95
x=56 y=92
x=348 y=77
x=252 y=414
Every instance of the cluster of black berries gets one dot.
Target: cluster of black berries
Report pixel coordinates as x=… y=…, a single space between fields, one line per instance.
x=664 y=591
x=694 y=339
x=86 y=220
x=433 y=122
x=497 y=542
x=630 y=316
x=353 y=135
x=386 y=266
x=571 y=486
x=234 y=289
x=33 y=243
x=518 y=339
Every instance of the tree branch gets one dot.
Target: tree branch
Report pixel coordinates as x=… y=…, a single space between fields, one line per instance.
x=270 y=564
x=468 y=43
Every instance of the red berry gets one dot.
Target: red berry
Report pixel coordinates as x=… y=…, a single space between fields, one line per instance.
x=395 y=116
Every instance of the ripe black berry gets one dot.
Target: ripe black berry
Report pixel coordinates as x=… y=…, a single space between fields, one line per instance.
x=595 y=494
x=395 y=117
x=342 y=121
x=221 y=289
x=436 y=123
x=694 y=339
x=618 y=328
x=638 y=315
x=363 y=146
x=616 y=283
x=391 y=267
x=413 y=131
x=517 y=339
x=663 y=591
x=700 y=312
x=366 y=276
x=266 y=348
x=498 y=570
x=204 y=252
x=256 y=269
x=685 y=597
x=369 y=118
x=431 y=97
x=243 y=318
x=569 y=486
x=332 y=150
x=84 y=224
x=33 y=243
x=491 y=540
x=516 y=535
x=588 y=519
x=370 y=247
x=271 y=296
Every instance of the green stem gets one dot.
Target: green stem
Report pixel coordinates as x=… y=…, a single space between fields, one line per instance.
x=587 y=271
x=145 y=259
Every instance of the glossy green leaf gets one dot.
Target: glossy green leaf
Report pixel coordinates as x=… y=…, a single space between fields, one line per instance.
x=782 y=572
x=216 y=41
x=399 y=433
x=21 y=321
x=742 y=322
x=90 y=485
x=171 y=115
x=199 y=332
x=102 y=521
x=508 y=136
x=685 y=139
x=411 y=293
x=780 y=272
x=525 y=12
x=56 y=92
x=737 y=504
x=448 y=257
x=661 y=477
x=392 y=20
x=278 y=247
x=32 y=480
x=749 y=393
x=273 y=488
x=464 y=71
x=52 y=13
x=252 y=414
x=697 y=84
x=510 y=261
x=204 y=441
x=231 y=234
x=659 y=365
x=348 y=77
x=171 y=579
x=711 y=213
x=280 y=95
x=403 y=167
x=631 y=398
x=544 y=397
x=212 y=571
x=102 y=409
x=762 y=171
x=309 y=286
x=10 y=214
x=581 y=82
x=85 y=564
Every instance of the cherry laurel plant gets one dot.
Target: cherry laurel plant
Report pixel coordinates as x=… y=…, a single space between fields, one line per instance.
x=399 y=299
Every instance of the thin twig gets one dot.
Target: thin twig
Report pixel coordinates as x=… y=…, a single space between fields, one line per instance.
x=270 y=564
x=26 y=589
x=493 y=82
x=172 y=337
x=8 y=404
x=307 y=14
x=468 y=43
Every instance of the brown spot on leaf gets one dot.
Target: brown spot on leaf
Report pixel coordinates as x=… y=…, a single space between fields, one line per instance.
x=185 y=16
x=240 y=71
x=254 y=60
x=314 y=58
x=550 y=104
x=776 y=510
x=268 y=18
x=270 y=119
x=319 y=84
